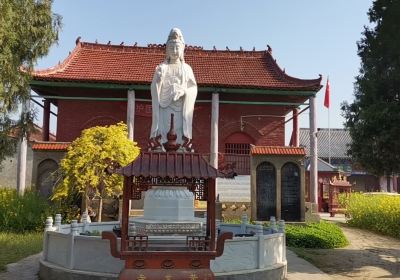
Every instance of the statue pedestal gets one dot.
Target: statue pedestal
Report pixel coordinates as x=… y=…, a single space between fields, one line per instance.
x=169 y=204
x=168 y=211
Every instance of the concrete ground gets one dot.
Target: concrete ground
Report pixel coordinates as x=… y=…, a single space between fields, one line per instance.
x=26 y=269
x=298 y=269
x=368 y=256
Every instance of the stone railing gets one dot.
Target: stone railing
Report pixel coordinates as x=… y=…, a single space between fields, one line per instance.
x=245 y=228
x=65 y=250
x=258 y=247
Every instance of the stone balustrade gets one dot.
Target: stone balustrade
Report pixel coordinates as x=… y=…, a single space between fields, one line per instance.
x=254 y=248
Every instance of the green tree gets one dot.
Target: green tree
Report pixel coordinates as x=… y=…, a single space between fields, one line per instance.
x=27 y=30
x=373 y=118
x=84 y=168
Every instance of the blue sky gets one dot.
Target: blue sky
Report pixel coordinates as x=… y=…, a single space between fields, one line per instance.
x=308 y=37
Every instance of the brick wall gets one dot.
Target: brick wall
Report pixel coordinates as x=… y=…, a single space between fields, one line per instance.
x=74 y=116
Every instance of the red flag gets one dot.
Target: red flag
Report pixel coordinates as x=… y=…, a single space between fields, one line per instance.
x=327 y=94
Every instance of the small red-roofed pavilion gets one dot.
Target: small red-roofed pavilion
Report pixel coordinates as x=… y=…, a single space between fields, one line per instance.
x=277 y=183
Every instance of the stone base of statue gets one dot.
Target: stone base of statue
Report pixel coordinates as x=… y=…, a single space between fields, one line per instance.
x=167 y=273
x=168 y=211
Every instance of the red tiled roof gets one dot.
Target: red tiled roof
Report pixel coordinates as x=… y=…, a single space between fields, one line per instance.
x=100 y=63
x=277 y=150
x=188 y=165
x=53 y=146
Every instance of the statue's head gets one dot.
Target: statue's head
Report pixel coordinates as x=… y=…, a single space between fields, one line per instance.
x=175 y=45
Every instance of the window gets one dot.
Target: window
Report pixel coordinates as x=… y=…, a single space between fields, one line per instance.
x=237 y=148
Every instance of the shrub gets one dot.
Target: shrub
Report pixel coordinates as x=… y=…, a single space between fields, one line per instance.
x=321 y=235
x=84 y=169
x=20 y=213
x=376 y=212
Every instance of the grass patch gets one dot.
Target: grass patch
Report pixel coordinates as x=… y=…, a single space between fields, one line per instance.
x=321 y=235
x=16 y=246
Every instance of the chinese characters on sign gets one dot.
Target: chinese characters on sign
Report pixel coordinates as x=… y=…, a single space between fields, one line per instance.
x=143 y=110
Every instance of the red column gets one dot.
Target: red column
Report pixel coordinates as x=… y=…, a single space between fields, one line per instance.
x=126 y=196
x=46 y=120
x=295 y=133
x=211 y=212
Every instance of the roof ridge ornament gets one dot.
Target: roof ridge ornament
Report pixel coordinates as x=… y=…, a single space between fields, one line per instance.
x=78 y=40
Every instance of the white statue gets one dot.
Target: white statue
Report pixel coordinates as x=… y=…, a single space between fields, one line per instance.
x=173 y=91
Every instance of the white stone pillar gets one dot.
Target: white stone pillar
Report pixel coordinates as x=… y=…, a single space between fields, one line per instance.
x=313 y=153
x=214 y=130
x=23 y=148
x=57 y=222
x=130 y=115
x=130 y=122
x=261 y=246
x=296 y=131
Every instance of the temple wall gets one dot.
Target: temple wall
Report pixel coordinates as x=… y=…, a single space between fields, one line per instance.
x=76 y=115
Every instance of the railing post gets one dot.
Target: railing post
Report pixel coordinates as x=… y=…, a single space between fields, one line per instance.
x=57 y=222
x=272 y=221
x=281 y=226
x=281 y=229
x=84 y=220
x=74 y=227
x=48 y=227
x=73 y=233
x=49 y=224
x=245 y=222
x=261 y=246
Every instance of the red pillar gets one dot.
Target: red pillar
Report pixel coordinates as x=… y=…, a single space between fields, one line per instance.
x=211 y=213
x=46 y=120
x=126 y=197
x=295 y=133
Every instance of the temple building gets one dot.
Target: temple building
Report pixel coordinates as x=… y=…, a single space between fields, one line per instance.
x=243 y=99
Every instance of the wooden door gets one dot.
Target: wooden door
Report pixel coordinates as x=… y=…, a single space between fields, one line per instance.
x=266 y=191
x=290 y=195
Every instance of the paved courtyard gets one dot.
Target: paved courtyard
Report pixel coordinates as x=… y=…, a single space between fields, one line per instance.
x=369 y=255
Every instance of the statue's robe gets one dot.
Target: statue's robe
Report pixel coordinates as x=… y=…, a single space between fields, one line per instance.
x=168 y=81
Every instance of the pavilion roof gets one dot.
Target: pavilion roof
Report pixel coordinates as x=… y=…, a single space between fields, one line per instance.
x=134 y=65
x=172 y=165
x=277 y=150
x=51 y=146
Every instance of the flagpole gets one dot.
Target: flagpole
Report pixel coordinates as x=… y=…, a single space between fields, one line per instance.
x=329 y=128
x=329 y=136
x=327 y=105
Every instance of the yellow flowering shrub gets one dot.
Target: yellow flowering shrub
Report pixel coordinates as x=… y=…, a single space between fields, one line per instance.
x=84 y=166
x=376 y=212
